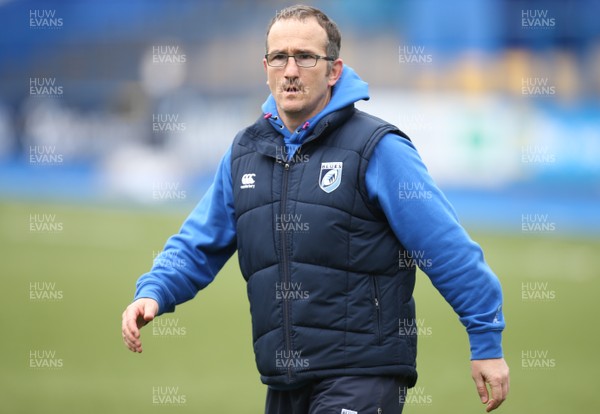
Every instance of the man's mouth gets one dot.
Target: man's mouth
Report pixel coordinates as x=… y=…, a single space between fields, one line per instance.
x=293 y=88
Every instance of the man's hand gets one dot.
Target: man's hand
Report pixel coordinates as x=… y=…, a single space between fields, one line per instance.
x=495 y=373
x=138 y=314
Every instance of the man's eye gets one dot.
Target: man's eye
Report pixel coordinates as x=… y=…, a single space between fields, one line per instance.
x=278 y=56
x=305 y=56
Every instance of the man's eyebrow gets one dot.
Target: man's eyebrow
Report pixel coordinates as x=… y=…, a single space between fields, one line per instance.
x=293 y=52
x=305 y=52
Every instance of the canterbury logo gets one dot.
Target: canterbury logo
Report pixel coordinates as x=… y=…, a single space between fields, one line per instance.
x=247 y=181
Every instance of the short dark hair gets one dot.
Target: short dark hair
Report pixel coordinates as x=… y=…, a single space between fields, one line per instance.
x=302 y=12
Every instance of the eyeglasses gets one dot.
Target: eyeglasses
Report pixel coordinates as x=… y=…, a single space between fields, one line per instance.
x=303 y=60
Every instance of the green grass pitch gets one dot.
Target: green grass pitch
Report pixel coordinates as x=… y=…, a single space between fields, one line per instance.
x=64 y=285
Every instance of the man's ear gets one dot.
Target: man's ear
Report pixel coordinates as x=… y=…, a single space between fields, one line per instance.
x=337 y=66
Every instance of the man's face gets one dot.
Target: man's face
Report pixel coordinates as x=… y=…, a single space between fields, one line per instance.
x=300 y=93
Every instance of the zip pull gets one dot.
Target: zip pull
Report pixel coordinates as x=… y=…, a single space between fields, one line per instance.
x=287 y=166
x=377 y=303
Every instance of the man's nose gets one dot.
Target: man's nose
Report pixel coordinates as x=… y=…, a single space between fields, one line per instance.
x=291 y=68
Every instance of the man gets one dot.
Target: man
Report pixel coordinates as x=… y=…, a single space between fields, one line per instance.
x=309 y=197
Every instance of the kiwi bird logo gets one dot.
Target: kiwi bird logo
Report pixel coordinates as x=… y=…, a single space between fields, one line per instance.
x=330 y=177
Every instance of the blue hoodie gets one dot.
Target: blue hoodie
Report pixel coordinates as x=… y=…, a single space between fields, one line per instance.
x=418 y=212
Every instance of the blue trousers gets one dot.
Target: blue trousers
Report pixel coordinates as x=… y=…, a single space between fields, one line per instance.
x=340 y=395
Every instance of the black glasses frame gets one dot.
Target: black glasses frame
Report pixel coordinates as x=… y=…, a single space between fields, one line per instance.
x=316 y=57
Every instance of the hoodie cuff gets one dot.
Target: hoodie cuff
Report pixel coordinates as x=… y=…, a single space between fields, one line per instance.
x=486 y=345
x=152 y=292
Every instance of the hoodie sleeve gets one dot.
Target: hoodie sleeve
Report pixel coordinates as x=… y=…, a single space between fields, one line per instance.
x=191 y=259
x=428 y=228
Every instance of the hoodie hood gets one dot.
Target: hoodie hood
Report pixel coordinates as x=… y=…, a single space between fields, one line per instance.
x=348 y=89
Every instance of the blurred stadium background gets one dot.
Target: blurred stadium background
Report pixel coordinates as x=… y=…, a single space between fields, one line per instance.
x=114 y=115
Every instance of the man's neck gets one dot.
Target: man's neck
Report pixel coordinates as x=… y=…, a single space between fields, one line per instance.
x=292 y=122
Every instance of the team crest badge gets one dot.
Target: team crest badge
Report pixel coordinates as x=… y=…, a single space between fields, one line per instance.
x=330 y=176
